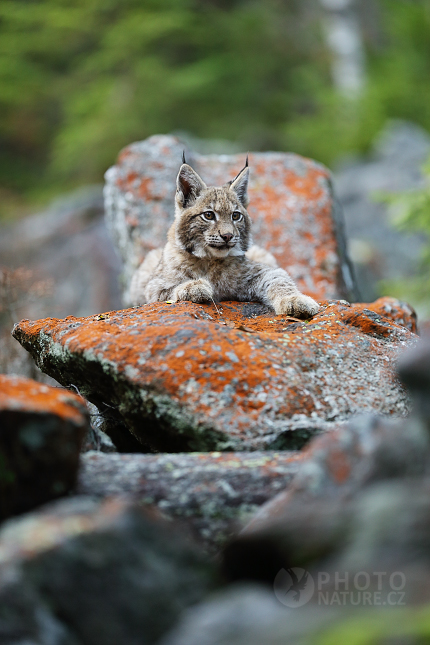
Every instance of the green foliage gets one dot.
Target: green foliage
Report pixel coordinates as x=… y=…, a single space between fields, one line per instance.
x=398 y=63
x=378 y=626
x=79 y=79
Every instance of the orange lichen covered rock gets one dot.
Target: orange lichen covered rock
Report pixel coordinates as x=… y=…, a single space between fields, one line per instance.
x=184 y=376
x=41 y=430
x=292 y=207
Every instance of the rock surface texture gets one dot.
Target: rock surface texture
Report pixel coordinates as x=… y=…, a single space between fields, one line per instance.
x=212 y=492
x=80 y=572
x=294 y=213
x=184 y=377
x=359 y=501
x=41 y=431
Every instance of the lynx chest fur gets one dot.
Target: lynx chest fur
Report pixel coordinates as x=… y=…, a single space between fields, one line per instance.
x=208 y=255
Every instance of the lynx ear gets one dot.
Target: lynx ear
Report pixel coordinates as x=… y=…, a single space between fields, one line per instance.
x=188 y=185
x=240 y=184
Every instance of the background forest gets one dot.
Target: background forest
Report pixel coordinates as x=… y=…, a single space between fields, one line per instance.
x=79 y=79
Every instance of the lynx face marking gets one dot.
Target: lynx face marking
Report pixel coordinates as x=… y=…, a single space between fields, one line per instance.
x=214 y=221
x=208 y=255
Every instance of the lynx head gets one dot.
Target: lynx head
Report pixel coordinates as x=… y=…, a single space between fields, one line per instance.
x=212 y=222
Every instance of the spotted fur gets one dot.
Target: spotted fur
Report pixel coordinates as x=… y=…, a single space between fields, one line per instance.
x=208 y=254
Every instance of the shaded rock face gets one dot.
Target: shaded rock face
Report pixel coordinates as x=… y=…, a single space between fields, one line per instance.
x=249 y=614
x=80 y=572
x=292 y=207
x=414 y=370
x=211 y=492
x=55 y=263
x=344 y=461
x=184 y=377
x=41 y=431
x=66 y=244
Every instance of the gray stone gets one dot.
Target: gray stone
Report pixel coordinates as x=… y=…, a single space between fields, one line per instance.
x=211 y=492
x=105 y=573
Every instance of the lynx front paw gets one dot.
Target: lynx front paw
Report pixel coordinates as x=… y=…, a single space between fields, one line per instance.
x=299 y=305
x=194 y=291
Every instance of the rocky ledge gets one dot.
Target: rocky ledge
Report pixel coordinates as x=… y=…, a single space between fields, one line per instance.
x=41 y=432
x=186 y=377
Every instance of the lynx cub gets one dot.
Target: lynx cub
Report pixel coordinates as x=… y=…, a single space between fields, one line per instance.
x=206 y=256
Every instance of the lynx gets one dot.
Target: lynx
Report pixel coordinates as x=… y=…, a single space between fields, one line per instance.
x=208 y=255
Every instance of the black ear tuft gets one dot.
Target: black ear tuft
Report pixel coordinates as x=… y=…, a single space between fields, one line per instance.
x=183 y=156
x=240 y=184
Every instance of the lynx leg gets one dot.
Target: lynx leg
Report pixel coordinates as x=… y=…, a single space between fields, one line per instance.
x=193 y=290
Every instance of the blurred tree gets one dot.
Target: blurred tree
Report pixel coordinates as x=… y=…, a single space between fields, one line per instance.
x=79 y=79
x=398 y=72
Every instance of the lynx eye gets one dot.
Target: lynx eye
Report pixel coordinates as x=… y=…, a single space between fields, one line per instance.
x=208 y=215
x=237 y=216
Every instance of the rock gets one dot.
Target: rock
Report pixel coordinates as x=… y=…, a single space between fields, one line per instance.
x=41 y=430
x=390 y=529
x=295 y=215
x=55 y=263
x=104 y=573
x=250 y=615
x=402 y=313
x=67 y=244
x=414 y=371
x=312 y=517
x=212 y=492
x=384 y=528
x=182 y=377
x=343 y=461
x=379 y=251
x=241 y=615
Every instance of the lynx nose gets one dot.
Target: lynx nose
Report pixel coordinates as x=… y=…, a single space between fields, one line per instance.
x=226 y=237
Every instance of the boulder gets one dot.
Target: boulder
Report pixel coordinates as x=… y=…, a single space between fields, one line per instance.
x=295 y=215
x=58 y=262
x=384 y=528
x=339 y=464
x=187 y=377
x=414 y=371
x=250 y=614
x=65 y=244
x=211 y=492
x=41 y=431
x=380 y=252
x=81 y=572
x=359 y=498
